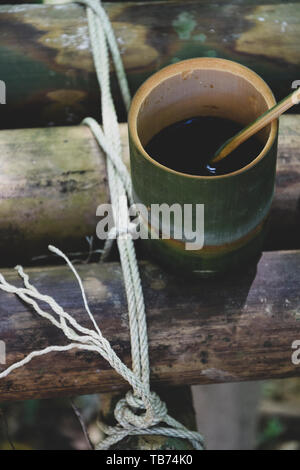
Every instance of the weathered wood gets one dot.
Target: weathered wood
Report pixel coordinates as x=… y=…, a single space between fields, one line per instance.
x=53 y=179
x=180 y=406
x=48 y=69
x=230 y=330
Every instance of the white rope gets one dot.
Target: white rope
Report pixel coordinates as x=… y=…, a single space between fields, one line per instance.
x=141 y=411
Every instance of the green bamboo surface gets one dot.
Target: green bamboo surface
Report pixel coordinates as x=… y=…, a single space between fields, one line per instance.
x=46 y=63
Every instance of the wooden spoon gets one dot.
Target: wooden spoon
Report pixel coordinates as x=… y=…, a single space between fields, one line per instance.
x=265 y=119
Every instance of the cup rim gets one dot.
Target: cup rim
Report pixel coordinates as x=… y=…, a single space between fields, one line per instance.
x=203 y=63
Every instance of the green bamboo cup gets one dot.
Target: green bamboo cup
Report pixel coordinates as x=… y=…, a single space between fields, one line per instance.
x=236 y=205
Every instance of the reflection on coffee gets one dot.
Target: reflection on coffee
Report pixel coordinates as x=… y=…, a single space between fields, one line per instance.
x=187 y=146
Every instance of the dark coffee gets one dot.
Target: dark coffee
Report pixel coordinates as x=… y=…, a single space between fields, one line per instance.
x=188 y=146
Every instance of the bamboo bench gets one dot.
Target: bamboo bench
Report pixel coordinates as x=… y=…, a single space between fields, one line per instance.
x=200 y=332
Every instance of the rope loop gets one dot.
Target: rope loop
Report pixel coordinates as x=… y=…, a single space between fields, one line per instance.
x=131 y=411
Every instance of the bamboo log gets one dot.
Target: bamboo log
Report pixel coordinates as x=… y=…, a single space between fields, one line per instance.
x=48 y=69
x=245 y=332
x=53 y=179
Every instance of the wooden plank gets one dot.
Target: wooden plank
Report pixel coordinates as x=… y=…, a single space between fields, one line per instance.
x=53 y=179
x=48 y=69
x=200 y=332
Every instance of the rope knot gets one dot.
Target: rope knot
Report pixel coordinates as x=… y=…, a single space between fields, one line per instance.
x=117 y=231
x=133 y=412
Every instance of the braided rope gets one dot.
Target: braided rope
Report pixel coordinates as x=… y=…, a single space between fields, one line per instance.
x=141 y=412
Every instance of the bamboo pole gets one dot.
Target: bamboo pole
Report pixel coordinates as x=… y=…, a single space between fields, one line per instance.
x=53 y=179
x=48 y=68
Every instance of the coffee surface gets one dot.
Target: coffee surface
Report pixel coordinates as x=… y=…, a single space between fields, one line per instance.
x=188 y=146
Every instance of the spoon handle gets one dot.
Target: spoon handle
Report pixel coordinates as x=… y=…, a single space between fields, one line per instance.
x=265 y=119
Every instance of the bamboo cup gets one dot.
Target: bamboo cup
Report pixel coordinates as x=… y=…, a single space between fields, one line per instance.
x=236 y=205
